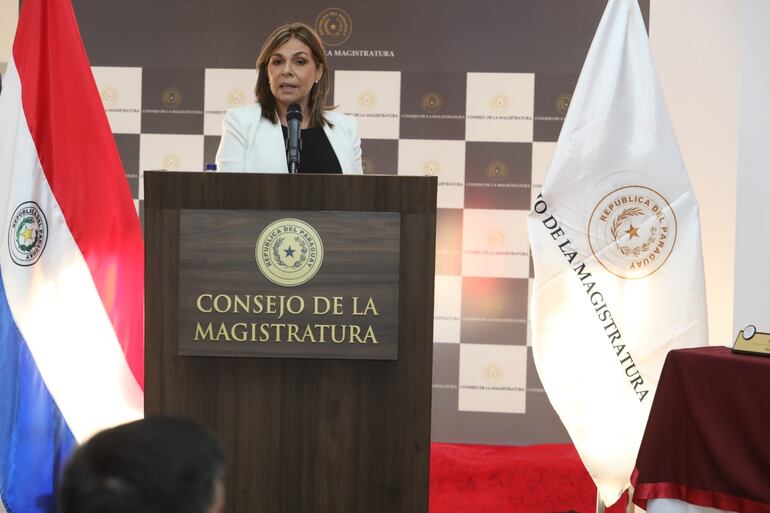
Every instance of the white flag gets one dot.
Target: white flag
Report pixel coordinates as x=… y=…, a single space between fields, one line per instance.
x=616 y=246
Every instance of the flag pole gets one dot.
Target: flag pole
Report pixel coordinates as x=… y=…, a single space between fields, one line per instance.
x=629 y=507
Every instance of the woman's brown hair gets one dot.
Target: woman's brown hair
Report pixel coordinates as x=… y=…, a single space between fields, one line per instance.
x=317 y=99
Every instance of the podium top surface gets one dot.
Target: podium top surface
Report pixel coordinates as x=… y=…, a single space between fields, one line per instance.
x=377 y=193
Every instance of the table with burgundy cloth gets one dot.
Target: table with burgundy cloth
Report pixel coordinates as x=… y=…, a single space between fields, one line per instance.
x=707 y=440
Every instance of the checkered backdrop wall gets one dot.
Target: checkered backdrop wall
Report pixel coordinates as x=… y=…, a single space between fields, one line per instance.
x=472 y=92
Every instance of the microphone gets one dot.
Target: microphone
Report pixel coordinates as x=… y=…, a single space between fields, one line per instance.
x=294 y=144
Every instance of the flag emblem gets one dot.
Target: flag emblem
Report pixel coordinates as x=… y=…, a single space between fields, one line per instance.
x=27 y=234
x=632 y=231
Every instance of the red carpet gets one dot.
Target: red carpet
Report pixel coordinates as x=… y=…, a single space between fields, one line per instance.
x=497 y=479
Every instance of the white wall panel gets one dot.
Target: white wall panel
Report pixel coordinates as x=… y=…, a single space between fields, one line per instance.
x=696 y=44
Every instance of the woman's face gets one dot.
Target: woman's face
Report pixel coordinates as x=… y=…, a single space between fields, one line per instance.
x=292 y=73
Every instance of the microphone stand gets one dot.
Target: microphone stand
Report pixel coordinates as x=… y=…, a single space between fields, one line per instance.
x=294 y=143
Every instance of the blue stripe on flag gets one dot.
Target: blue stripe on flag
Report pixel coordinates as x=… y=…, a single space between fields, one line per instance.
x=34 y=438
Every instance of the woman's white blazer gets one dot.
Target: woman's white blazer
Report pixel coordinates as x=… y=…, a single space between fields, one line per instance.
x=252 y=144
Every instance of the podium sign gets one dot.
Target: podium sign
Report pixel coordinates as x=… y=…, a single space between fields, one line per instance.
x=288 y=284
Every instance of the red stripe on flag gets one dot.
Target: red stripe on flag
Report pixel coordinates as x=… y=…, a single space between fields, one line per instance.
x=81 y=162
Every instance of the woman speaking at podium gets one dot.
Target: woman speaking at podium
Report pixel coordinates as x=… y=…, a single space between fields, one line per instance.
x=291 y=72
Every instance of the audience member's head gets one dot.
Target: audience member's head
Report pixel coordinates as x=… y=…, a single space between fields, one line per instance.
x=163 y=465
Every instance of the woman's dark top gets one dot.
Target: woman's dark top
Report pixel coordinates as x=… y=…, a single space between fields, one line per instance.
x=317 y=155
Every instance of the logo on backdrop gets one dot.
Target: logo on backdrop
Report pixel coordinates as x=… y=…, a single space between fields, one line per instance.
x=431 y=168
x=499 y=102
x=289 y=252
x=171 y=162
x=109 y=96
x=334 y=26
x=632 y=231
x=367 y=101
x=493 y=307
x=171 y=97
x=495 y=239
x=431 y=102
x=368 y=165
x=497 y=170
x=493 y=374
x=27 y=234
x=562 y=103
x=236 y=98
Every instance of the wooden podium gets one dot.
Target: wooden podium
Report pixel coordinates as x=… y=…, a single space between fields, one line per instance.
x=312 y=429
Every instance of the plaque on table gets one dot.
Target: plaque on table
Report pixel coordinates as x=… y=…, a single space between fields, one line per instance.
x=751 y=341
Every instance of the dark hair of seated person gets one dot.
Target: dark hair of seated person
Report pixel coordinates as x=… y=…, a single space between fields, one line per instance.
x=155 y=465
